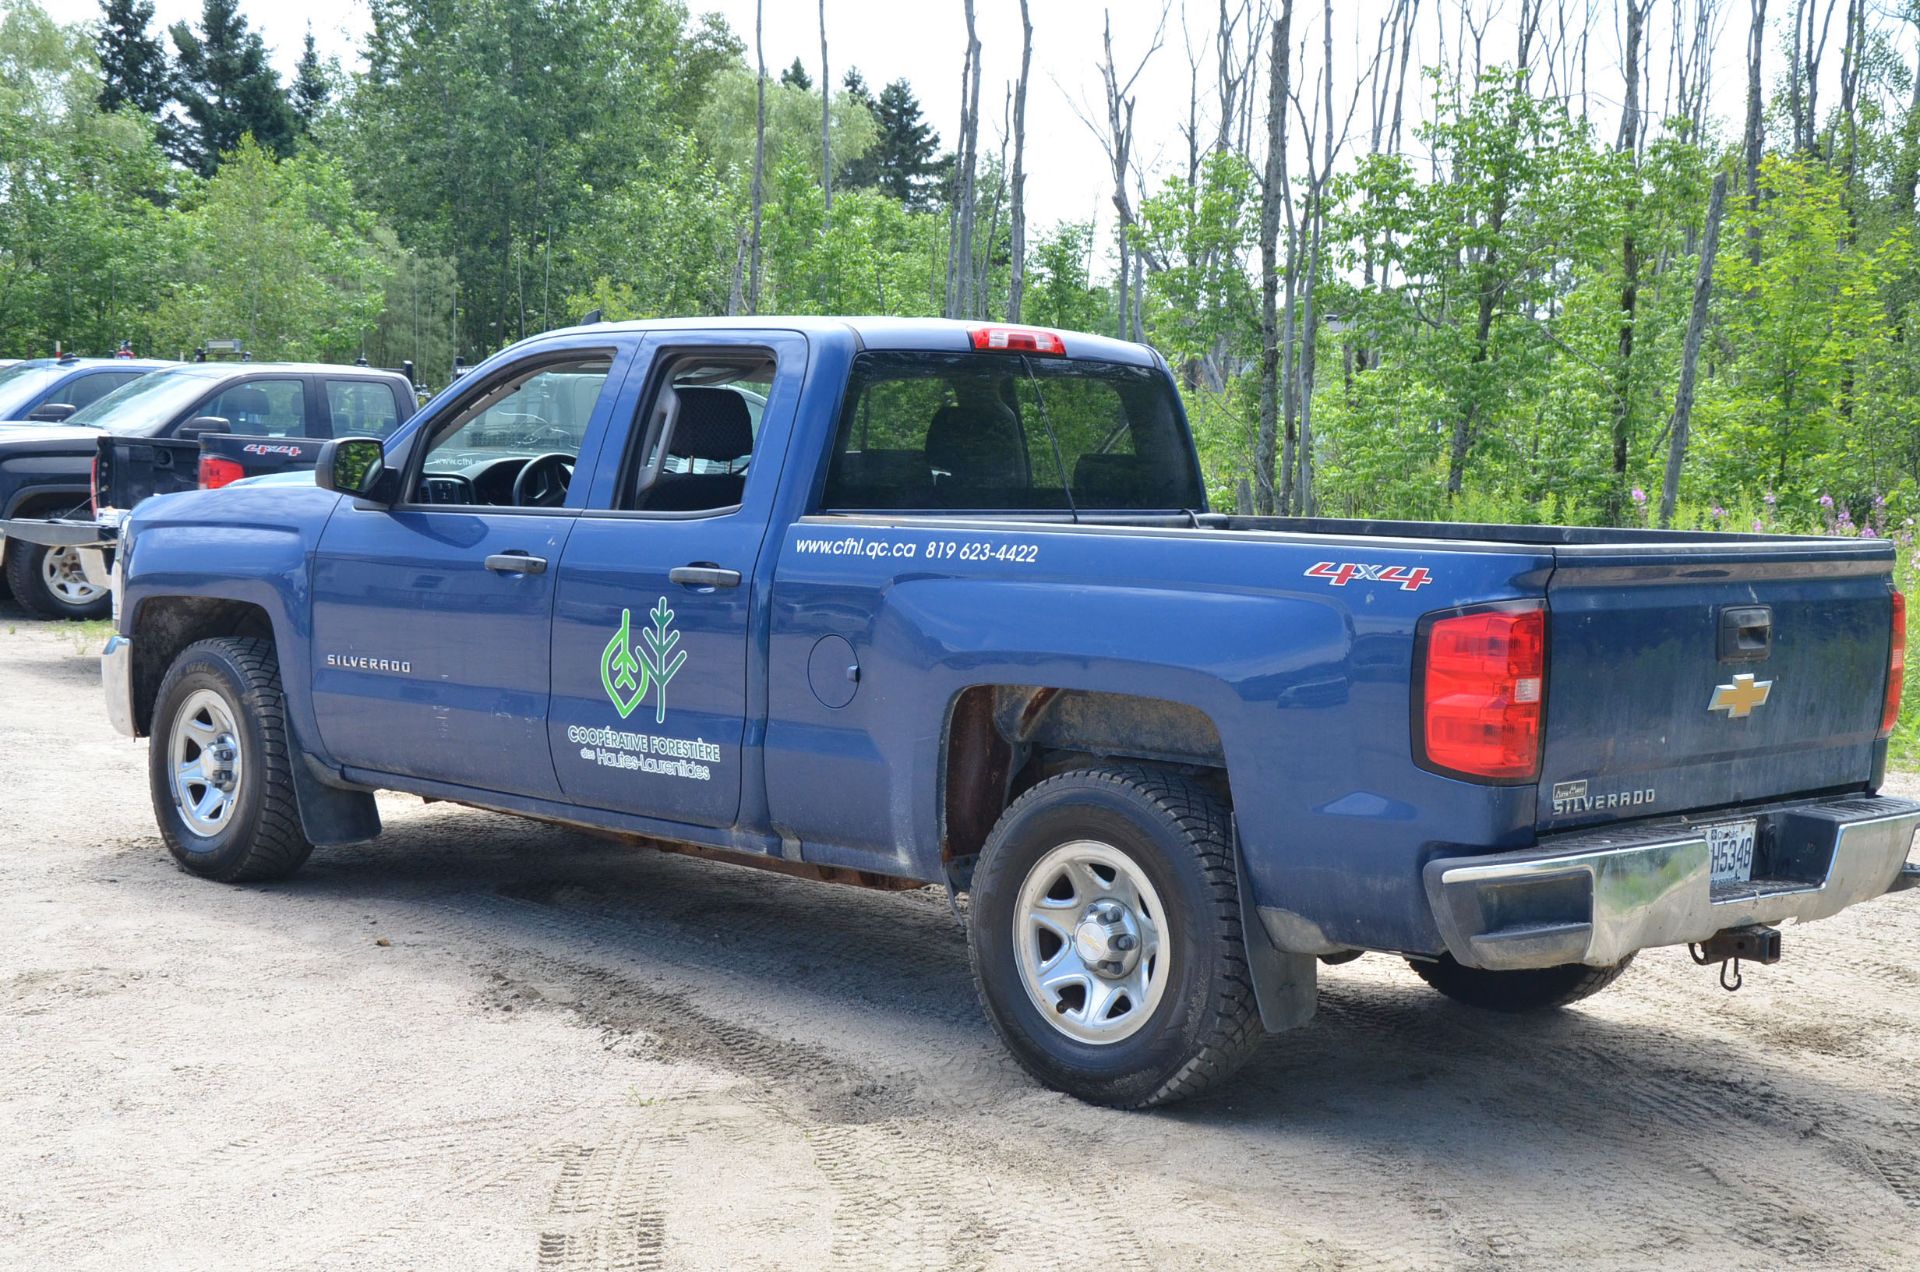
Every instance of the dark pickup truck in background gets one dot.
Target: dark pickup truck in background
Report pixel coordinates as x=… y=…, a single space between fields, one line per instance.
x=64 y=486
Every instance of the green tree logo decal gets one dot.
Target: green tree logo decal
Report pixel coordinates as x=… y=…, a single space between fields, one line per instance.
x=627 y=673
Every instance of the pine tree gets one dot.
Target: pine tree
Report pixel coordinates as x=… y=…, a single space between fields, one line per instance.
x=133 y=63
x=796 y=76
x=905 y=156
x=311 y=88
x=862 y=173
x=226 y=89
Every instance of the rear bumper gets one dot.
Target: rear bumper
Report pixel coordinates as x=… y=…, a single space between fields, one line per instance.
x=1596 y=897
x=116 y=677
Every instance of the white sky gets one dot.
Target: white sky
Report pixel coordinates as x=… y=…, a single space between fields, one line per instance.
x=922 y=40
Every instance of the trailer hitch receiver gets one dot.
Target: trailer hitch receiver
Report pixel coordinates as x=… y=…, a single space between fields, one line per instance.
x=1755 y=943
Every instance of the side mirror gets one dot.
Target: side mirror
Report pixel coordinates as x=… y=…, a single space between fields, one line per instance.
x=201 y=426
x=350 y=466
x=52 y=412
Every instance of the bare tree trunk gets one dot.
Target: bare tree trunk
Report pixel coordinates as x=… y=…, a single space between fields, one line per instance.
x=1273 y=188
x=1629 y=140
x=1627 y=144
x=826 y=117
x=1017 y=247
x=1756 y=121
x=1690 y=353
x=759 y=159
x=960 y=298
x=1117 y=140
x=1309 y=344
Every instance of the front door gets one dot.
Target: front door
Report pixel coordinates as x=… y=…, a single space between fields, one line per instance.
x=433 y=619
x=652 y=621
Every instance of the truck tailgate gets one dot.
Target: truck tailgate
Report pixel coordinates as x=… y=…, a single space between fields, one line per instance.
x=1691 y=676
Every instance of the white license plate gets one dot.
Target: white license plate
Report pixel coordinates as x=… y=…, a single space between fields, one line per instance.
x=1730 y=847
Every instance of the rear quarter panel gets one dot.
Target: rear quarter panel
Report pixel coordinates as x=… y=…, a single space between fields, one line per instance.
x=1307 y=681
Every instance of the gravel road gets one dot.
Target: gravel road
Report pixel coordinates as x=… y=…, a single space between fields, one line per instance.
x=482 y=1043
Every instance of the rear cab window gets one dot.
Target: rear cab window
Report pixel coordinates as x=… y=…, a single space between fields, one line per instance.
x=998 y=432
x=262 y=408
x=361 y=408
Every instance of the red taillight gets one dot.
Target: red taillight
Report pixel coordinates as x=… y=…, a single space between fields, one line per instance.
x=216 y=472
x=1482 y=689
x=1896 y=666
x=1017 y=340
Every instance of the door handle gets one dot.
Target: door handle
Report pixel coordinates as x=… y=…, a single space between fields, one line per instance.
x=516 y=563
x=704 y=574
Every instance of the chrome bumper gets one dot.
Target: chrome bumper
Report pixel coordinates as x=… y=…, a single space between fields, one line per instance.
x=1596 y=897
x=116 y=677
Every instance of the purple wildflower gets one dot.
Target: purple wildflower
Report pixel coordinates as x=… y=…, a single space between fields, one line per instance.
x=1639 y=495
x=1826 y=501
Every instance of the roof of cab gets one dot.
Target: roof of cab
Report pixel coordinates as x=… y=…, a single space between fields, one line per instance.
x=943 y=335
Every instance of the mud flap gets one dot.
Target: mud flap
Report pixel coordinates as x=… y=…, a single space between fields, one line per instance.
x=1286 y=986
x=330 y=815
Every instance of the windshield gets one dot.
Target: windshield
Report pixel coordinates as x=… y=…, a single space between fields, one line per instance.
x=146 y=404
x=20 y=385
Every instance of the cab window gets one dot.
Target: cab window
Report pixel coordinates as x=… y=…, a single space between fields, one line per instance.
x=361 y=408
x=1000 y=432
x=514 y=442
x=697 y=433
x=262 y=408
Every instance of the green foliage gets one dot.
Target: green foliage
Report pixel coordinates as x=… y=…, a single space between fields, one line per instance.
x=226 y=90
x=133 y=62
x=83 y=247
x=278 y=255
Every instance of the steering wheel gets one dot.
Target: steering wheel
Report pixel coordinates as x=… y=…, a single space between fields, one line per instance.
x=542 y=481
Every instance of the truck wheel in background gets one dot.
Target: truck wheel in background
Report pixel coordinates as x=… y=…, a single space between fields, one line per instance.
x=1536 y=989
x=220 y=765
x=49 y=582
x=1104 y=930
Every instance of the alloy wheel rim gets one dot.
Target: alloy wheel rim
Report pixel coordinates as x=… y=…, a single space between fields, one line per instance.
x=60 y=571
x=205 y=758
x=1090 y=942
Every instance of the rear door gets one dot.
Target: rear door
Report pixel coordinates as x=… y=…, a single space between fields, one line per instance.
x=1689 y=677
x=653 y=625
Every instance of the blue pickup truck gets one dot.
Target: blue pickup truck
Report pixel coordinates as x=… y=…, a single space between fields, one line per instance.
x=899 y=603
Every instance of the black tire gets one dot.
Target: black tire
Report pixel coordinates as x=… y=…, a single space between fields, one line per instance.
x=261 y=836
x=1206 y=1023
x=1536 y=989
x=29 y=586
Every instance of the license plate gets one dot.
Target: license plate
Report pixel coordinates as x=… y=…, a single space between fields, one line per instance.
x=1730 y=847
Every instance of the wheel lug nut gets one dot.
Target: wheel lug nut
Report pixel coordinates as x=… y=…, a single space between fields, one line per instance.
x=1124 y=941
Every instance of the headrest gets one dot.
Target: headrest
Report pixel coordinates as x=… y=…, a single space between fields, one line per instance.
x=976 y=447
x=247 y=400
x=713 y=424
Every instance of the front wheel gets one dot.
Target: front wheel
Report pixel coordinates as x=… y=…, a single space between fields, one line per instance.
x=51 y=583
x=1105 y=937
x=1534 y=989
x=220 y=766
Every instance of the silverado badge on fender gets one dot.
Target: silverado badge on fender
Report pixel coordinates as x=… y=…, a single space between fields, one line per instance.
x=1740 y=698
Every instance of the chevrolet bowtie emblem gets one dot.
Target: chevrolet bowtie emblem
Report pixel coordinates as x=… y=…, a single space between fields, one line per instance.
x=1740 y=698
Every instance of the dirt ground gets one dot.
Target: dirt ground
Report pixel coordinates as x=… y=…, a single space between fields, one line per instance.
x=482 y=1043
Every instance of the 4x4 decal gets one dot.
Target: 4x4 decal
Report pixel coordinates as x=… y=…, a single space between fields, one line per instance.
x=627 y=673
x=1342 y=573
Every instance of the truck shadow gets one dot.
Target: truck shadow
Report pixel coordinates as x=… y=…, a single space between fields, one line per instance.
x=883 y=1023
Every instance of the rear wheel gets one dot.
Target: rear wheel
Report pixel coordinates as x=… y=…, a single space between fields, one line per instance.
x=1105 y=937
x=1534 y=989
x=220 y=767
x=49 y=582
